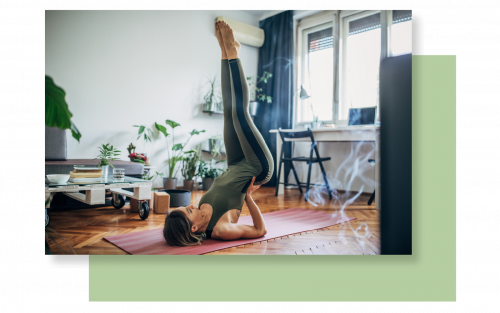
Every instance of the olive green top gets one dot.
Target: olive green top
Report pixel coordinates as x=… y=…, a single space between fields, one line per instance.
x=228 y=191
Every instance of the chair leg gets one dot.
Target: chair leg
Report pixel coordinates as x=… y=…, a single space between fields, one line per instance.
x=308 y=181
x=372 y=197
x=324 y=177
x=296 y=177
x=278 y=179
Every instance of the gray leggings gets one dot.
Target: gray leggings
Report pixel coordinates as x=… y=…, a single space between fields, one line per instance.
x=242 y=139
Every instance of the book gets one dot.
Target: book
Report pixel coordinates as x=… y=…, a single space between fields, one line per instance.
x=85 y=180
x=85 y=175
x=87 y=170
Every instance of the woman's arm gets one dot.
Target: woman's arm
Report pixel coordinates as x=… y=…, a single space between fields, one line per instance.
x=238 y=231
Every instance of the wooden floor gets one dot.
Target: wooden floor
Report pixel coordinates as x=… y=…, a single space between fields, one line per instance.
x=84 y=229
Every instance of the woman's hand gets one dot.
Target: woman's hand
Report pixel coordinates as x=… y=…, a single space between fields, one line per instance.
x=252 y=188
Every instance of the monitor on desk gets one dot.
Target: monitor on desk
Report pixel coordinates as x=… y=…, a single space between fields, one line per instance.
x=362 y=116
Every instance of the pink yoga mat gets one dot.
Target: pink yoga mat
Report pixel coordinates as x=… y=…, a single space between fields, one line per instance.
x=279 y=224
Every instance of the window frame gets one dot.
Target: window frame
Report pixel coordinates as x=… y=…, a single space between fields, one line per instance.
x=322 y=20
x=339 y=20
x=345 y=18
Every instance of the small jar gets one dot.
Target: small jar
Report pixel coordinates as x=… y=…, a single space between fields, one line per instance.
x=118 y=173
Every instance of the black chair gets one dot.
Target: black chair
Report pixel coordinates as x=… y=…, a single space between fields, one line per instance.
x=372 y=197
x=309 y=160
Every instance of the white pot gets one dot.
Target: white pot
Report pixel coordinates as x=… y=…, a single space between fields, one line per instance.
x=105 y=170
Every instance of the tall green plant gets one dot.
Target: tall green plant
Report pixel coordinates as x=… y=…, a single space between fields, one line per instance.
x=57 y=113
x=175 y=154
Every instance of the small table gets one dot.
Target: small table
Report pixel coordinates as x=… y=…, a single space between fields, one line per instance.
x=343 y=133
x=95 y=192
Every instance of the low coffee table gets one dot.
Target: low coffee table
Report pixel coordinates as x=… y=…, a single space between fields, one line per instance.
x=95 y=193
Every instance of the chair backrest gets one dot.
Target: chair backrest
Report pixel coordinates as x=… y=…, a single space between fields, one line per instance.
x=294 y=134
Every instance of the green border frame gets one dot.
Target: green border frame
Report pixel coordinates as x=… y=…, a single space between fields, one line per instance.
x=427 y=275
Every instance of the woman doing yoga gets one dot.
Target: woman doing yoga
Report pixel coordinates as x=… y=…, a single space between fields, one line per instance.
x=250 y=165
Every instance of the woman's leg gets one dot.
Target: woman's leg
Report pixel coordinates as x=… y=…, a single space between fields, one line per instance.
x=234 y=153
x=252 y=144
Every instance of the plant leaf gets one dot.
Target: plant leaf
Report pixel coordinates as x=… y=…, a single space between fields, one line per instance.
x=141 y=129
x=177 y=146
x=196 y=132
x=75 y=133
x=57 y=113
x=172 y=123
x=162 y=129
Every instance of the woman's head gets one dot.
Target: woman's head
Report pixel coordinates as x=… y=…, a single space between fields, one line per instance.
x=182 y=225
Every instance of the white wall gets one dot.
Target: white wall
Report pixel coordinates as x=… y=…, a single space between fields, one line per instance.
x=120 y=68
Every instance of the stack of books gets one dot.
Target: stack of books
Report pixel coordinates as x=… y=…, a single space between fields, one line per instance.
x=86 y=175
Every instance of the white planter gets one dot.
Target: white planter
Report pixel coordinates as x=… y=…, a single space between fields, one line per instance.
x=105 y=170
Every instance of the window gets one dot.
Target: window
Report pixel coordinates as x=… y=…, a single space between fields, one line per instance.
x=338 y=57
x=361 y=46
x=316 y=71
x=401 y=36
x=318 y=76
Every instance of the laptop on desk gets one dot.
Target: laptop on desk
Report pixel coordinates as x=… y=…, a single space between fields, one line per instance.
x=362 y=116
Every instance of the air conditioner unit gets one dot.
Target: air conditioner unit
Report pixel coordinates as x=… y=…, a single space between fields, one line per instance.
x=244 y=33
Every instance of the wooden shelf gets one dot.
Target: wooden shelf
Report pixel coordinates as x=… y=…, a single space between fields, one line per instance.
x=211 y=152
x=219 y=112
x=213 y=112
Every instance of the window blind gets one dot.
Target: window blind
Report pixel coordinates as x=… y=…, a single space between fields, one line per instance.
x=373 y=21
x=364 y=24
x=399 y=16
x=320 y=40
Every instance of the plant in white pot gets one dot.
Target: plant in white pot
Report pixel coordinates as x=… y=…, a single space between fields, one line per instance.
x=107 y=154
x=190 y=169
x=209 y=172
x=175 y=154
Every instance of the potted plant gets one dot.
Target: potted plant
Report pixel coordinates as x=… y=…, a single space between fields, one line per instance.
x=147 y=134
x=107 y=153
x=316 y=123
x=138 y=157
x=256 y=93
x=216 y=145
x=189 y=169
x=209 y=172
x=175 y=154
x=213 y=99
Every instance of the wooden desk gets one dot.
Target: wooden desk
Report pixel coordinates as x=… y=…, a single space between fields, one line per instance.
x=345 y=133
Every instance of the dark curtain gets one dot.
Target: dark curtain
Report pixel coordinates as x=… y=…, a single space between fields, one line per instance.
x=276 y=57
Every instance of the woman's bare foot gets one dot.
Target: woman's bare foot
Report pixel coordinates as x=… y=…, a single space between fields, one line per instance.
x=218 y=34
x=231 y=44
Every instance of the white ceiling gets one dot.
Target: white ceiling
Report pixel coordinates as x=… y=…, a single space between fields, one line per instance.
x=261 y=13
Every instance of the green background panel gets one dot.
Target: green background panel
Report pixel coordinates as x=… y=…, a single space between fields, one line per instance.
x=429 y=274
